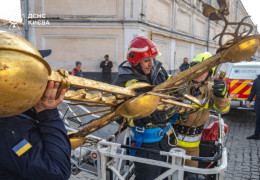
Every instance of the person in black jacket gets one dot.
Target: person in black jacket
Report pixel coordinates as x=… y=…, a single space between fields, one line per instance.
x=141 y=66
x=34 y=144
x=255 y=91
x=106 y=69
x=77 y=70
x=185 y=65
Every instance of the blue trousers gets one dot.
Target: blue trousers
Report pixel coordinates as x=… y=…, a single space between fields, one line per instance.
x=150 y=172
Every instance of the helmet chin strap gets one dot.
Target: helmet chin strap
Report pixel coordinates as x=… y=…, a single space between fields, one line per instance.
x=202 y=82
x=195 y=91
x=139 y=69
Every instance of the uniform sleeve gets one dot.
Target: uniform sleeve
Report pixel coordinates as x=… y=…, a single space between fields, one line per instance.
x=102 y=64
x=49 y=156
x=222 y=105
x=165 y=74
x=110 y=64
x=253 y=92
x=119 y=83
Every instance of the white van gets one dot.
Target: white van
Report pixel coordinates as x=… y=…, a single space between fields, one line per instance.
x=239 y=78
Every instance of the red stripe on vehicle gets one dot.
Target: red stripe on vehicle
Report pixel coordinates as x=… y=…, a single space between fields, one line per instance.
x=234 y=83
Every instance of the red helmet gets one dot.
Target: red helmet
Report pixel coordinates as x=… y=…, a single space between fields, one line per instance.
x=141 y=48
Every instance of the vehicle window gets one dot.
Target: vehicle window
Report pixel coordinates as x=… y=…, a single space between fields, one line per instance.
x=245 y=72
x=225 y=67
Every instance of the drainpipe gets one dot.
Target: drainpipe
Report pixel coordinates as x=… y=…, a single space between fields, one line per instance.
x=142 y=10
x=237 y=5
x=26 y=28
x=208 y=31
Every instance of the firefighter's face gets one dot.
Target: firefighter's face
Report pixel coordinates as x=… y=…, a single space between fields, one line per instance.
x=147 y=66
x=201 y=78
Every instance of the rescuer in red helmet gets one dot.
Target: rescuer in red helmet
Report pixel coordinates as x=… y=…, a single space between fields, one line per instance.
x=141 y=66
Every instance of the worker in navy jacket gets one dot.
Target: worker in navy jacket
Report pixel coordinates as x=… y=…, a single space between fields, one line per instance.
x=255 y=91
x=185 y=65
x=34 y=144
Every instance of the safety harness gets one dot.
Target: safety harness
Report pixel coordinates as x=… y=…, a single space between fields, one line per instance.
x=140 y=135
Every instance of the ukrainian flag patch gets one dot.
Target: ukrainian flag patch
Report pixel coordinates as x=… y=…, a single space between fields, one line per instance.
x=21 y=147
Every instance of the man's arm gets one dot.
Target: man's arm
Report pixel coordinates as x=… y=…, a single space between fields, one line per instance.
x=221 y=101
x=102 y=64
x=222 y=105
x=253 y=92
x=49 y=156
x=49 y=159
x=110 y=64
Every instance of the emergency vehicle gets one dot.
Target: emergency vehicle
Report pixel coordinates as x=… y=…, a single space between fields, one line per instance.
x=240 y=78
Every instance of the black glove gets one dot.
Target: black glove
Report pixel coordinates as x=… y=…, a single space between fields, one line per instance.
x=163 y=116
x=219 y=89
x=183 y=117
x=120 y=120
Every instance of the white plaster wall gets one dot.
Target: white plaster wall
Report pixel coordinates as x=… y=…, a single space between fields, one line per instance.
x=80 y=44
x=182 y=50
x=159 y=12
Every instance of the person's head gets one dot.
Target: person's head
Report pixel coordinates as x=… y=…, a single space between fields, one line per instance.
x=140 y=55
x=106 y=57
x=198 y=59
x=78 y=64
x=185 y=60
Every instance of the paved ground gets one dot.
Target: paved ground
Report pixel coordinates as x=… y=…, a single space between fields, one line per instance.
x=243 y=154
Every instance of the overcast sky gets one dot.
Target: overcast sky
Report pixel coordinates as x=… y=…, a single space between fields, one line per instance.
x=252 y=7
x=11 y=10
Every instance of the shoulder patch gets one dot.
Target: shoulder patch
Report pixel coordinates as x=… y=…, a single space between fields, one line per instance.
x=22 y=147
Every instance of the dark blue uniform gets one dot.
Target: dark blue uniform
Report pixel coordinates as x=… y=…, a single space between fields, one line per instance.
x=255 y=91
x=184 y=66
x=158 y=119
x=34 y=146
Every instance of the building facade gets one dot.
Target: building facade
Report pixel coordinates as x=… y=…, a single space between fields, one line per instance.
x=86 y=30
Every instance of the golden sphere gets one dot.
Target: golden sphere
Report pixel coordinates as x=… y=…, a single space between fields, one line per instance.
x=23 y=75
x=138 y=107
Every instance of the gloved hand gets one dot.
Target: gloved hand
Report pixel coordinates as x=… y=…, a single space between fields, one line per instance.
x=183 y=117
x=219 y=89
x=163 y=116
x=171 y=111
